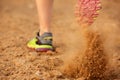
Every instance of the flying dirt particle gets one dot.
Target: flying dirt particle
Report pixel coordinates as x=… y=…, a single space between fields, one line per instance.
x=92 y=64
x=94 y=61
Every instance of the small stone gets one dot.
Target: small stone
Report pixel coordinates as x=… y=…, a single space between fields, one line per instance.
x=33 y=53
x=50 y=52
x=82 y=78
x=38 y=73
x=56 y=73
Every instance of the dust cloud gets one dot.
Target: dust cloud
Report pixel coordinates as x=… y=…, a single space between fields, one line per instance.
x=87 y=52
x=91 y=54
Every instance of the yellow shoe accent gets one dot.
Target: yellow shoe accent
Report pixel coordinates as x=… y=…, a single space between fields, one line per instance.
x=32 y=44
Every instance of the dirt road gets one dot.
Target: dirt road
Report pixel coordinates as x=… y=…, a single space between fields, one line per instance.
x=19 y=23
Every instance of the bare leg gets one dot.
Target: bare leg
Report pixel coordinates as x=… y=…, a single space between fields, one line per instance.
x=45 y=12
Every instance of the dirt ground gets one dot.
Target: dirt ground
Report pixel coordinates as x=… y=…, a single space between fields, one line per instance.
x=19 y=23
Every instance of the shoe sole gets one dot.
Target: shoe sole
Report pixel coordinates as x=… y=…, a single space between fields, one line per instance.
x=40 y=49
x=43 y=49
x=87 y=11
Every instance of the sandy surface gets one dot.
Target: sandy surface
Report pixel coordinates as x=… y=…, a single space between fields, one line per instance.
x=19 y=23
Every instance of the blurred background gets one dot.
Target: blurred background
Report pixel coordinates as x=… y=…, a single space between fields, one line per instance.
x=19 y=23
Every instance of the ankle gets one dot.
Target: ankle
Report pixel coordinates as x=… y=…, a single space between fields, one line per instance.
x=42 y=32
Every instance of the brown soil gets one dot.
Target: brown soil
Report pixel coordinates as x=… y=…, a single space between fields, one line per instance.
x=19 y=23
x=92 y=64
